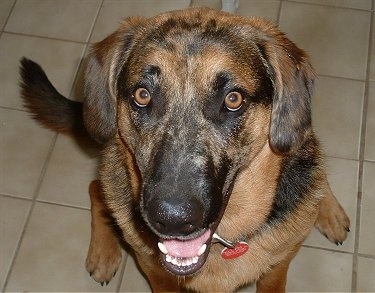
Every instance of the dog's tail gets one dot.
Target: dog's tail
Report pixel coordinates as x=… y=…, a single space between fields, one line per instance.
x=46 y=104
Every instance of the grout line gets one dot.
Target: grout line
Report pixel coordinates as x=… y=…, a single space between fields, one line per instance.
x=18 y=197
x=362 y=146
x=73 y=91
x=15 y=197
x=62 y=205
x=9 y=14
x=279 y=12
x=329 y=5
x=364 y=255
x=340 y=77
x=94 y=22
x=125 y=257
x=34 y=201
x=340 y=158
x=43 y=37
x=327 y=249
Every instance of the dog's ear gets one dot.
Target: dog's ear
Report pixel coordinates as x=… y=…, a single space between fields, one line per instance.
x=293 y=79
x=103 y=66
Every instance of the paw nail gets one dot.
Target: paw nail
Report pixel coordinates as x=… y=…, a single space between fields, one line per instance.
x=348 y=229
x=102 y=283
x=114 y=274
x=106 y=283
x=90 y=274
x=340 y=243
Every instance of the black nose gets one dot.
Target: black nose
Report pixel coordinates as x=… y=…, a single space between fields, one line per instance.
x=173 y=217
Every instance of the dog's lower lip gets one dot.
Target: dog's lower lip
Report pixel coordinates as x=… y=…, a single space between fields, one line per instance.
x=184 y=266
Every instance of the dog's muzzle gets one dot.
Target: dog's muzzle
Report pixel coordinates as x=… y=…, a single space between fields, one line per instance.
x=185 y=226
x=183 y=200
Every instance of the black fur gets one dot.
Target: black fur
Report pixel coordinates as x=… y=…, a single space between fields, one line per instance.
x=46 y=104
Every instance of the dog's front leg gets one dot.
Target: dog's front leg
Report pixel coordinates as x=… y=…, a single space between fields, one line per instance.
x=332 y=220
x=104 y=255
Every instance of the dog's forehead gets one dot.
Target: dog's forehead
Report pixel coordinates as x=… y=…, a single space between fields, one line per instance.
x=197 y=52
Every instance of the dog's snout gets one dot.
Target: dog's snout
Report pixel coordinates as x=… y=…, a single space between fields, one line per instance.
x=172 y=217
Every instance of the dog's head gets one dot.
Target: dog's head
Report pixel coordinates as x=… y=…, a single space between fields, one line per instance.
x=192 y=97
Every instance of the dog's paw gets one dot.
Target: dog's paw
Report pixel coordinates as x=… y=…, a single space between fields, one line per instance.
x=103 y=260
x=332 y=221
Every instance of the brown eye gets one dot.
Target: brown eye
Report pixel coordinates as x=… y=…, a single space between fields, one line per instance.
x=233 y=101
x=142 y=97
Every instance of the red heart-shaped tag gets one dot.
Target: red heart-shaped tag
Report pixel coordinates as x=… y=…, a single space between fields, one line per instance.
x=237 y=251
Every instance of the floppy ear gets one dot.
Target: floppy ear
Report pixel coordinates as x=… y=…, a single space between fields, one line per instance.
x=103 y=66
x=293 y=79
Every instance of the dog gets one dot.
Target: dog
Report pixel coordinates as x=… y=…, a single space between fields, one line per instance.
x=209 y=165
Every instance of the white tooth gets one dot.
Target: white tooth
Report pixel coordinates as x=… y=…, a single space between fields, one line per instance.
x=174 y=261
x=168 y=258
x=195 y=259
x=202 y=249
x=162 y=248
x=178 y=262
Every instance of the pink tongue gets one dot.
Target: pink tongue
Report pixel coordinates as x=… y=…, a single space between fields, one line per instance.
x=189 y=248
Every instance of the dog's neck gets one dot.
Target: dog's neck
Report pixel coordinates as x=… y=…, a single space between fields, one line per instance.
x=234 y=225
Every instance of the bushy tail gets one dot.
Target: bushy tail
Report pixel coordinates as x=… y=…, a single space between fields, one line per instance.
x=46 y=104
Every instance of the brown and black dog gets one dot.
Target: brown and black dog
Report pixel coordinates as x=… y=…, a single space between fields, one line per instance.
x=205 y=123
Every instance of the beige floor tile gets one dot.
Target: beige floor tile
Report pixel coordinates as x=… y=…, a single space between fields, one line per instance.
x=133 y=280
x=13 y=214
x=370 y=127
x=342 y=176
x=58 y=58
x=53 y=252
x=67 y=20
x=366 y=273
x=372 y=55
x=5 y=7
x=263 y=8
x=330 y=35
x=315 y=270
x=358 y=4
x=337 y=111
x=367 y=231
x=69 y=173
x=24 y=148
x=113 y=11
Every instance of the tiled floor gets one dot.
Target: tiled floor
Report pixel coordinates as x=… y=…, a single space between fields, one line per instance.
x=44 y=207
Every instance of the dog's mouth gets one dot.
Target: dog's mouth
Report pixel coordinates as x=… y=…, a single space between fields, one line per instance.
x=185 y=257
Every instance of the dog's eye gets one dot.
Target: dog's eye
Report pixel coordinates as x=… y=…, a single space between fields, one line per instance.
x=141 y=97
x=233 y=101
